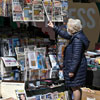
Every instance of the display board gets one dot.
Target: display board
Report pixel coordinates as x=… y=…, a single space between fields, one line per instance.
x=35 y=10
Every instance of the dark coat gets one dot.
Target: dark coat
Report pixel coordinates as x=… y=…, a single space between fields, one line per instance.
x=74 y=58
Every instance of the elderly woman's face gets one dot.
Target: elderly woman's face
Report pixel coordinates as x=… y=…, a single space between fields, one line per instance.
x=69 y=27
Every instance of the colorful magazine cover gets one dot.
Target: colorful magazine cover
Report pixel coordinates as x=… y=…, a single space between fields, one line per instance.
x=64 y=8
x=28 y=13
x=34 y=74
x=17 y=10
x=53 y=60
x=40 y=61
x=55 y=95
x=54 y=73
x=3 y=7
x=57 y=12
x=44 y=73
x=49 y=96
x=61 y=96
x=9 y=8
x=61 y=77
x=32 y=60
x=43 y=97
x=40 y=53
x=15 y=43
x=38 y=97
x=21 y=94
x=38 y=11
x=21 y=61
x=48 y=66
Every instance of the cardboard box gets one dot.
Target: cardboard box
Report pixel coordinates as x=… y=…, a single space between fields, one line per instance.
x=90 y=95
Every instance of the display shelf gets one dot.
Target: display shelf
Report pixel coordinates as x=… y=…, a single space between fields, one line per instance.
x=45 y=90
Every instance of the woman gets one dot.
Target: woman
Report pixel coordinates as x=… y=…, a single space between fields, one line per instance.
x=75 y=64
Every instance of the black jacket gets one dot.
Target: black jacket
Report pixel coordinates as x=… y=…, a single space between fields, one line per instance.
x=74 y=58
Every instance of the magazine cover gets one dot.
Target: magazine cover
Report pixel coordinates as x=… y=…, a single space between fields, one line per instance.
x=54 y=73
x=28 y=13
x=3 y=7
x=41 y=57
x=9 y=8
x=66 y=95
x=15 y=43
x=53 y=60
x=8 y=89
x=55 y=95
x=34 y=74
x=40 y=61
x=48 y=66
x=31 y=98
x=38 y=11
x=61 y=96
x=21 y=61
x=17 y=10
x=61 y=77
x=57 y=12
x=19 y=50
x=65 y=8
x=38 y=97
x=43 y=97
x=48 y=74
x=21 y=94
x=43 y=73
x=49 y=8
x=32 y=60
x=49 y=96
x=0 y=8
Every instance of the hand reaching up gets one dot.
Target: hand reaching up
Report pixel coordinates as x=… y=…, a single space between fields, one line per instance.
x=50 y=24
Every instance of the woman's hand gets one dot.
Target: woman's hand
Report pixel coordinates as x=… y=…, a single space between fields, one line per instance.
x=71 y=75
x=50 y=24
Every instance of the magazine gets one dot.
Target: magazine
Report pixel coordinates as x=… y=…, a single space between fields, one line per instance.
x=34 y=74
x=28 y=13
x=49 y=8
x=32 y=60
x=57 y=11
x=38 y=11
x=21 y=61
x=48 y=66
x=64 y=8
x=21 y=94
x=61 y=96
x=55 y=95
x=44 y=73
x=53 y=60
x=49 y=96
x=8 y=89
x=17 y=10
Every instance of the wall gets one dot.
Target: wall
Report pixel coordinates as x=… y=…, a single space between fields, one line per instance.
x=89 y=15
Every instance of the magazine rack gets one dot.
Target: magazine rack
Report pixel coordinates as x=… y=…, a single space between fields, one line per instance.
x=6 y=65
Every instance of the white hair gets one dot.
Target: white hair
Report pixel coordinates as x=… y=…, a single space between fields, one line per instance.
x=74 y=25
